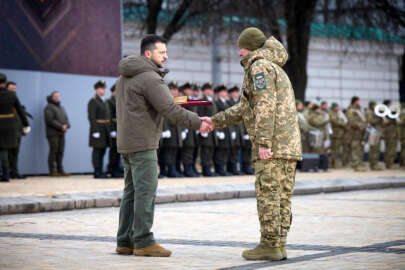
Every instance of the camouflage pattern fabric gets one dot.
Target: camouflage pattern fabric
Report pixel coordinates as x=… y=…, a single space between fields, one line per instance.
x=337 y=142
x=318 y=121
x=377 y=123
x=357 y=125
x=390 y=134
x=267 y=108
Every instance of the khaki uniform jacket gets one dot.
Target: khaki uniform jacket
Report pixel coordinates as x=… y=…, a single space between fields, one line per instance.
x=267 y=106
x=143 y=99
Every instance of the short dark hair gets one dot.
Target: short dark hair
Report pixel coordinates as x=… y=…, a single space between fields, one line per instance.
x=10 y=83
x=149 y=41
x=387 y=102
x=354 y=100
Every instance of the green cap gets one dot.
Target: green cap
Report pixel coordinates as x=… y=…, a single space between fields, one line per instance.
x=251 y=38
x=334 y=105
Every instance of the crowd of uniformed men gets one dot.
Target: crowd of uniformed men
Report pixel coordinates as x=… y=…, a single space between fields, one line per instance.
x=341 y=134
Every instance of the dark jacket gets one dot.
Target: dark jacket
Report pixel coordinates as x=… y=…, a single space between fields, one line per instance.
x=143 y=99
x=210 y=139
x=111 y=102
x=226 y=142
x=236 y=129
x=174 y=141
x=99 y=118
x=191 y=136
x=55 y=118
x=9 y=106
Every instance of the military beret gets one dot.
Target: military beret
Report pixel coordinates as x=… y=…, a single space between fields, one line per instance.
x=100 y=84
x=297 y=101
x=334 y=105
x=235 y=88
x=372 y=102
x=173 y=84
x=220 y=88
x=251 y=38
x=112 y=89
x=207 y=85
x=3 y=78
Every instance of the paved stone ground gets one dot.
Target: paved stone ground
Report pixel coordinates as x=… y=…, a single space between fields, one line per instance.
x=351 y=230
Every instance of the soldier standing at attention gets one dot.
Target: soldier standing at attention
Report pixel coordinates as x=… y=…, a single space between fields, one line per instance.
x=375 y=148
x=114 y=156
x=207 y=141
x=318 y=121
x=390 y=134
x=13 y=152
x=304 y=126
x=267 y=108
x=189 y=138
x=338 y=121
x=357 y=123
x=57 y=124
x=99 y=137
x=143 y=99
x=236 y=134
x=222 y=149
x=9 y=105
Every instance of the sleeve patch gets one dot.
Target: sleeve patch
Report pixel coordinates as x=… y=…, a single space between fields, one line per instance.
x=260 y=81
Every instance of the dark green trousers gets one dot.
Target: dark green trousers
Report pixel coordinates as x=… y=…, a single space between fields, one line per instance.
x=138 y=200
x=56 y=149
x=13 y=157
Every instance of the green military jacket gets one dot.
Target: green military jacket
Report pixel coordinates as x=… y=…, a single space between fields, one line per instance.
x=338 y=124
x=401 y=126
x=99 y=119
x=357 y=122
x=267 y=106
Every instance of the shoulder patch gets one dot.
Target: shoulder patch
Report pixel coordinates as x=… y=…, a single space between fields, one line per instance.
x=260 y=81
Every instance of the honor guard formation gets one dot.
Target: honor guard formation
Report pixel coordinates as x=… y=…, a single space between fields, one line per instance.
x=342 y=138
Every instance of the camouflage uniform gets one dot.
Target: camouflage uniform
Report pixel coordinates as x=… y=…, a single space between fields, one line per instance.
x=374 y=152
x=357 y=125
x=390 y=134
x=338 y=127
x=347 y=149
x=401 y=127
x=304 y=129
x=319 y=121
x=267 y=108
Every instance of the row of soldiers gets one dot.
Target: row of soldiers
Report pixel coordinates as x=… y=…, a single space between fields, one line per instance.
x=344 y=133
x=180 y=148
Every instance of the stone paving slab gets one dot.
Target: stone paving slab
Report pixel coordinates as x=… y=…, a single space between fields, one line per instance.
x=81 y=200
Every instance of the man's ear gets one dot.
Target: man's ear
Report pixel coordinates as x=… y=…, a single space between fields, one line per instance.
x=148 y=54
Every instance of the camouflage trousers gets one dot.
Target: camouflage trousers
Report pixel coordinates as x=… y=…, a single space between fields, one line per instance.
x=357 y=153
x=274 y=186
x=402 y=156
x=390 y=152
x=347 y=150
x=337 y=152
x=374 y=153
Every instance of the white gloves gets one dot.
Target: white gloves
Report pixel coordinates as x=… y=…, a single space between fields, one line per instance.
x=220 y=135
x=96 y=135
x=166 y=134
x=233 y=135
x=327 y=143
x=113 y=134
x=246 y=137
x=26 y=130
x=204 y=135
x=184 y=134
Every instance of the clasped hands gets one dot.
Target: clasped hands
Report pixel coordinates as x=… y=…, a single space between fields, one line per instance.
x=207 y=126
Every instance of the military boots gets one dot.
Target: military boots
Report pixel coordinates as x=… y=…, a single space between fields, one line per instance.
x=263 y=252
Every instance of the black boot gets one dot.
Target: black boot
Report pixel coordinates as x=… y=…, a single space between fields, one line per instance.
x=171 y=172
x=220 y=170
x=234 y=169
x=5 y=177
x=196 y=172
x=116 y=173
x=99 y=174
x=207 y=172
x=247 y=169
x=188 y=171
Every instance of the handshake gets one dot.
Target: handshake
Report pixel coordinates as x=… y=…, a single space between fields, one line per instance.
x=206 y=125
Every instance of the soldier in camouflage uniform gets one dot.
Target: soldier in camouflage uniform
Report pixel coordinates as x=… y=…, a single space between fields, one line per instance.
x=267 y=108
x=401 y=127
x=99 y=136
x=357 y=123
x=347 y=149
x=338 y=121
x=318 y=121
x=304 y=126
x=374 y=150
x=236 y=134
x=390 y=134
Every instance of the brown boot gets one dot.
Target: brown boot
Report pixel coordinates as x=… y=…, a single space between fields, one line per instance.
x=154 y=250
x=63 y=173
x=53 y=174
x=263 y=252
x=125 y=250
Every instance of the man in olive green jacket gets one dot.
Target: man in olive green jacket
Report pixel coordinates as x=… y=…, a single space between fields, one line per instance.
x=57 y=124
x=143 y=99
x=267 y=108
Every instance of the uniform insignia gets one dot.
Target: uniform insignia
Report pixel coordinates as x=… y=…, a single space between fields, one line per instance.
x=260 y=81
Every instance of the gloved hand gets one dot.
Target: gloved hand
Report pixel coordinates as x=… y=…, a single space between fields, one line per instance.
x=166 y=134
x=184 y=134
x=233 y=135
x=26 y=130
x=246 y=137
x=204 y=135
x=113 y=134
x=220 y=135
x=96 y=135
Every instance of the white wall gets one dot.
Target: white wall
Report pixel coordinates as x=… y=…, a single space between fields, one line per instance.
x=76 y=91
